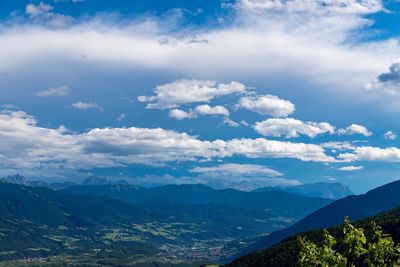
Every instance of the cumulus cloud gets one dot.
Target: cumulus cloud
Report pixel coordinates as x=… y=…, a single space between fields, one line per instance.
x=389 y=81
x=389 y=135
x=174 y=94
x=369 y=153
x=25 y=145
x=290 y=127
x=208 y=110
x=86 y=105
x=351 y=168
x=263 y=148
x=266 y=105
x=355 y=129
x=56 y=91
x=201 y=110
x=181 y=114
x=313 y=6
x=38 y=10
x=42 y=13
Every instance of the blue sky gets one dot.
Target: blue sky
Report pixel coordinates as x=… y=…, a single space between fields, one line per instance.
x=160 y=92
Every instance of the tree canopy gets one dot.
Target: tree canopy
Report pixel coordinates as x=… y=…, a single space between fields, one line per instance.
x=355 y=249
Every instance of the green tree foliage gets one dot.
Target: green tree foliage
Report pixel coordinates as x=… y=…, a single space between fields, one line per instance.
x=355 y=249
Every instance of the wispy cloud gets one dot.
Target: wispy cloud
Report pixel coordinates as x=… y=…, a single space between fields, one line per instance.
x=320 y=7
x=351 y=168
x=56 y=91
x=43 y=13
x=389 y=135
x=86 y=105
x=232 y=169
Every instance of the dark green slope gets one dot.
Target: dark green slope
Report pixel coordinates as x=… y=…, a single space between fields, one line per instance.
x=355 y=207
x=40 y=222
x=286 y=253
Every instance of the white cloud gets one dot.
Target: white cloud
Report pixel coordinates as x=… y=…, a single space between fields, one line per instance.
x=219 y=182
x=244 y=123
x=241 y=170
x=257 y=46
x=201 y=110
x=389 y=135
x=208 y=110
x=355 y=129
x=38 y=10
x=181 y=114
x=230 y=122
x=290 y=127
x=241 y=176
x=351 y=168
x=369 y=153
x=267 y=105
x=25 y=145
x=263 y=148
x=174 y=94
x=338 y=146
x=56 y=91
x=42 y=13
x=313 y=6
x=86 y=105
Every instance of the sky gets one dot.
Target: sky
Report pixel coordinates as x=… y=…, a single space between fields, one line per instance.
x=240 y=93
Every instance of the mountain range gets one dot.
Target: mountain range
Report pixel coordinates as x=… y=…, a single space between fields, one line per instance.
x=191 y=221
x=101 y=221
x=320 y=190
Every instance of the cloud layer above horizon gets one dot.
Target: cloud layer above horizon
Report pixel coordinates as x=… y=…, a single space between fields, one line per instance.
x=224 y=89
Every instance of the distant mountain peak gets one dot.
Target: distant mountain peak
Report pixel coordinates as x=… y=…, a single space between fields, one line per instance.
x=22 y=180
x=16 y=179
x=94 y=180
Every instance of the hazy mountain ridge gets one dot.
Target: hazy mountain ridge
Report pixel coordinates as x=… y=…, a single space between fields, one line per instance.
x=323 y=190
x=22 y=180
x=275 y=203
x=320 y=189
